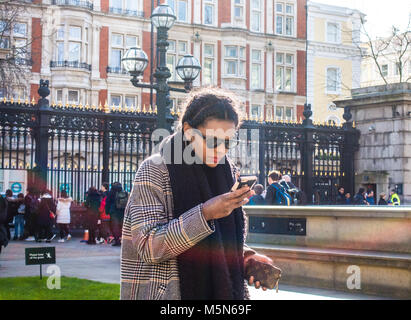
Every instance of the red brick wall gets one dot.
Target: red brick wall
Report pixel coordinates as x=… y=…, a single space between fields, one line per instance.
x=247 y=14
x=247 y=66
x=36 y=45
x=219 y=63
x=105 y=5
x=102 y=97
x=247 y=108
x=146 y=44
x=38 y=1
x=300 y=110
x=33 y=92
x=103 y=52
x=224 y=11
x=301 y=19
x=145 y=99
x=301 y=73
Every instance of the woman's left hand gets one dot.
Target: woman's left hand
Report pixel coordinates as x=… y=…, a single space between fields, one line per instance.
x=260 y=258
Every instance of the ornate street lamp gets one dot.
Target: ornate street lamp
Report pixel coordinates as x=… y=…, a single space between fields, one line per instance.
x=135 y=61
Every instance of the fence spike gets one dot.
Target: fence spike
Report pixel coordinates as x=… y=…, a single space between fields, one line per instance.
x=106 y=107
x=87 y=106
x=150 y=109
x=26 y=101
x=33 y=102
x=80 y=106
x=4 y=100
x=11 y=100
x=53 y=104
x=155 y=109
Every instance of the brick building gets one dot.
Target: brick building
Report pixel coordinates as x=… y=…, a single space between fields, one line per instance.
x=256 y=48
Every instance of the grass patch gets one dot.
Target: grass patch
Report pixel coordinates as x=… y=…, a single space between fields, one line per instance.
x=32 y=288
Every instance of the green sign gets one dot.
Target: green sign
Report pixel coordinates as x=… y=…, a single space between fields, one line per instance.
x=43 y=255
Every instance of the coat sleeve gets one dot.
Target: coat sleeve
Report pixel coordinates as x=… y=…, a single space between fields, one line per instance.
x=155 y=237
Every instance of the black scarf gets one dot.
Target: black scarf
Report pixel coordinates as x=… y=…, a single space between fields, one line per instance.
x=213 y=269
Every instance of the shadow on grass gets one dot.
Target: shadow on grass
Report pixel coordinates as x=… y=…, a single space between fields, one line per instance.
x=32 y=288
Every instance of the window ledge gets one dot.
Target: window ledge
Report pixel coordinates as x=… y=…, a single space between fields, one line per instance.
x=287 y=92
x=233 y=77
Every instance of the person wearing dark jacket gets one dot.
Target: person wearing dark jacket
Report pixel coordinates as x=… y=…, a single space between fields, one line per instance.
x=31 y=202
x=382 y=201
x=92 y=204
x=45 y=218
x=115 y=213
x=359 y=198
x=12 y=206
x=3 y=222
x=341 y=198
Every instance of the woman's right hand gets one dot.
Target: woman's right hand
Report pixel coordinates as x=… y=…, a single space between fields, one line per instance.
x=222 y=205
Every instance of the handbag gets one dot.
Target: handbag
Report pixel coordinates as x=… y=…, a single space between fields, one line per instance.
x=267 y=274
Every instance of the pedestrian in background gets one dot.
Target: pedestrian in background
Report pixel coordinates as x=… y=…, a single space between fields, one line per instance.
x=257 y=199
x=341 y=199
x=46 y=216
x=116 y=204
x=394 y=198
x=63 y=215
x=383 y=201
x=370 y=197
x=11 y=211
x=92 y=204
x=276 y=193
x=359 y=198
x=104 y=225
x=348 y=199
x=4 y=240
x=19 y=218
x=31 y=202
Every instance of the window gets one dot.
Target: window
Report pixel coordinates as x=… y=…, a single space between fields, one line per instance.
x=333 y=32
x=74 y=48
x=284 y=113
x=289 y=113
x=234 y=61
x=256 y=111
x=119 y=44
x=384 y=70
x=333 y=80
x=269 y=113
x=256 y=15
x=239 y=10
x=116 y=51
x=20 y=42
x=285 y=18
x=180 y=9
x=208 y=65
x=5 y=33
x=176 y=50
x=279 y=113
x=73 y=96
x=256 y=69
x=209 y=12
x=130 y=101
x=397 y=68
x=284 y=72
x=115 y=100
x=59 y=96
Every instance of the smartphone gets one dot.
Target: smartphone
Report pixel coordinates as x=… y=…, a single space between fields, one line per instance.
x=243 y=181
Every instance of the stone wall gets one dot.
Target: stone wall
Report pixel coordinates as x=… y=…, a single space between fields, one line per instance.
x=383 y=116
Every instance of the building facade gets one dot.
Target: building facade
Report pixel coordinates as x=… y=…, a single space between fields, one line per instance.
x=256 y=48
x=333 y=58
x=392 y=65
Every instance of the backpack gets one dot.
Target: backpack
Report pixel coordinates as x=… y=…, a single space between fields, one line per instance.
x=281 y=195
x=121 y=200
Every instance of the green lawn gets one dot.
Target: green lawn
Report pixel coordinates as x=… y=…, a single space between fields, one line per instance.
x=32 y=288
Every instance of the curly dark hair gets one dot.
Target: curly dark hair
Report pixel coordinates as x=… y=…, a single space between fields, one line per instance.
x=209 y=103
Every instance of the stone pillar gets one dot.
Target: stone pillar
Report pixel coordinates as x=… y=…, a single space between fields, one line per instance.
x=382 y=114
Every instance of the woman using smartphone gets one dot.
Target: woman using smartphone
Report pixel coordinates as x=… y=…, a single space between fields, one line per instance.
x=184 y=229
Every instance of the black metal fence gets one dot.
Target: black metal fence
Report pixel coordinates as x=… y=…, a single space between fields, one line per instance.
x=73 y=147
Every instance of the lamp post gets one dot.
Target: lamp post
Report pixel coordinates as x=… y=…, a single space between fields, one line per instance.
x=135 y=61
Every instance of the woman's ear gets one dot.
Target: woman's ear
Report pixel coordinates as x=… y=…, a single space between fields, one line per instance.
x=188 y=132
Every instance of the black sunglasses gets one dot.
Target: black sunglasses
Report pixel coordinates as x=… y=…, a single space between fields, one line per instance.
x=214 y=142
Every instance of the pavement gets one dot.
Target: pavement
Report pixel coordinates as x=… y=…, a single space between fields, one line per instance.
x=101 y=262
